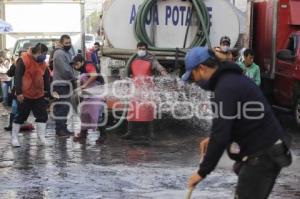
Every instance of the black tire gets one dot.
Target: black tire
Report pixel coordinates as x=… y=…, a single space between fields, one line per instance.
x=297 y=112
x=116 y=125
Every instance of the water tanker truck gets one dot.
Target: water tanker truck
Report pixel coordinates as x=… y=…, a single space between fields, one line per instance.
x=168 y=26
x=274 y=34
x=171 y=27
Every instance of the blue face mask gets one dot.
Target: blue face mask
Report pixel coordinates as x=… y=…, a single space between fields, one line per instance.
x=41 y=58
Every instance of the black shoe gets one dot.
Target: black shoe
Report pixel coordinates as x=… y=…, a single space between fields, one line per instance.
x=127 y=136
x=9 y=128
x=81 y=138
x=101 y=140
x=62 y=134
x=151 y=135
x=103 y=135
x=70 y=132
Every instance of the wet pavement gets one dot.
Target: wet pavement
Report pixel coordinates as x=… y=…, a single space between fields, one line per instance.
x=121 y=169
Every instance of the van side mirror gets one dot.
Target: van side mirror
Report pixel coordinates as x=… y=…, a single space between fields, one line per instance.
x=285 y=55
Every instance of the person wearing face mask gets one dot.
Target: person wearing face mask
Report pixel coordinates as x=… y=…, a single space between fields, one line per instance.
x=141 y=71
x=93 y=56
x=241 y=115
x=93 y=105
x=250 y=69
x=32 y=80
x=223 y=52
x=63 y=81
x=14 y=107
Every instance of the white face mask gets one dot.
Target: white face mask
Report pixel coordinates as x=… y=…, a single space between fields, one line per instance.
x=141 y=53
x=225 y=48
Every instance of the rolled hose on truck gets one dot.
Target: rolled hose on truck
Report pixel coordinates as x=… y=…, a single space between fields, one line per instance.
x=201 y=38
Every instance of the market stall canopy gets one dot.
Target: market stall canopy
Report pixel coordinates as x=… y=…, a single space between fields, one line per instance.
x=5 y=27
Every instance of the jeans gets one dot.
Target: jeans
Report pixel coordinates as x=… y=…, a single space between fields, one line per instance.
x=5 y=87
x=257 y=178
x=14 y=107
x=61 y=108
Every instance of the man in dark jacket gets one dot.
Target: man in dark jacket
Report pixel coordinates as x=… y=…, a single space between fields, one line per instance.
x=243 y=123
x=11 y=73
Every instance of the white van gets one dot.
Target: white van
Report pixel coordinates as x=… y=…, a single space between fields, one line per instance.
x=89 y=41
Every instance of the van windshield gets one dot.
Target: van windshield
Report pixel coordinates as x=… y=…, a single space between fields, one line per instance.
x=89 y=38
x=27 y=43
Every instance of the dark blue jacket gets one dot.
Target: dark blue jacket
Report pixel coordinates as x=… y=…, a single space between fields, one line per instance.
x=232 y=90
x=95 y=58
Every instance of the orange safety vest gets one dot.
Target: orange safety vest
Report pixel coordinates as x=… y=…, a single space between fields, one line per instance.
x=33 y=78
x=141 y=111
x=141 y=68
x=88 y=55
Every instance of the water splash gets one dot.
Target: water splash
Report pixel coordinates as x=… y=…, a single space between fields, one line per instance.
x=173 y=98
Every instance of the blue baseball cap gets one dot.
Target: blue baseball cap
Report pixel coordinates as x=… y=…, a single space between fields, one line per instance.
x=194 y=57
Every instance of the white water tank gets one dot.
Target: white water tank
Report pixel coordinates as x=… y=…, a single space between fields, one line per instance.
x=170 y=21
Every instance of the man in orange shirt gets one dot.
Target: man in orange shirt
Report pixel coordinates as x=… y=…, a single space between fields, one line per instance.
x=32 y=79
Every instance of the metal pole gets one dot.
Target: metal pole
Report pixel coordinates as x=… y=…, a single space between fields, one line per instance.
x=82 y=21
x=2 y=16
x=274 y=37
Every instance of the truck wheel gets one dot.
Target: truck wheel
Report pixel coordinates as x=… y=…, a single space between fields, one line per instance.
x=116 y=125
x=297 y=112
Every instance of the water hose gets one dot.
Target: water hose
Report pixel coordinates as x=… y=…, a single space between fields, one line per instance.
x=201 y=38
